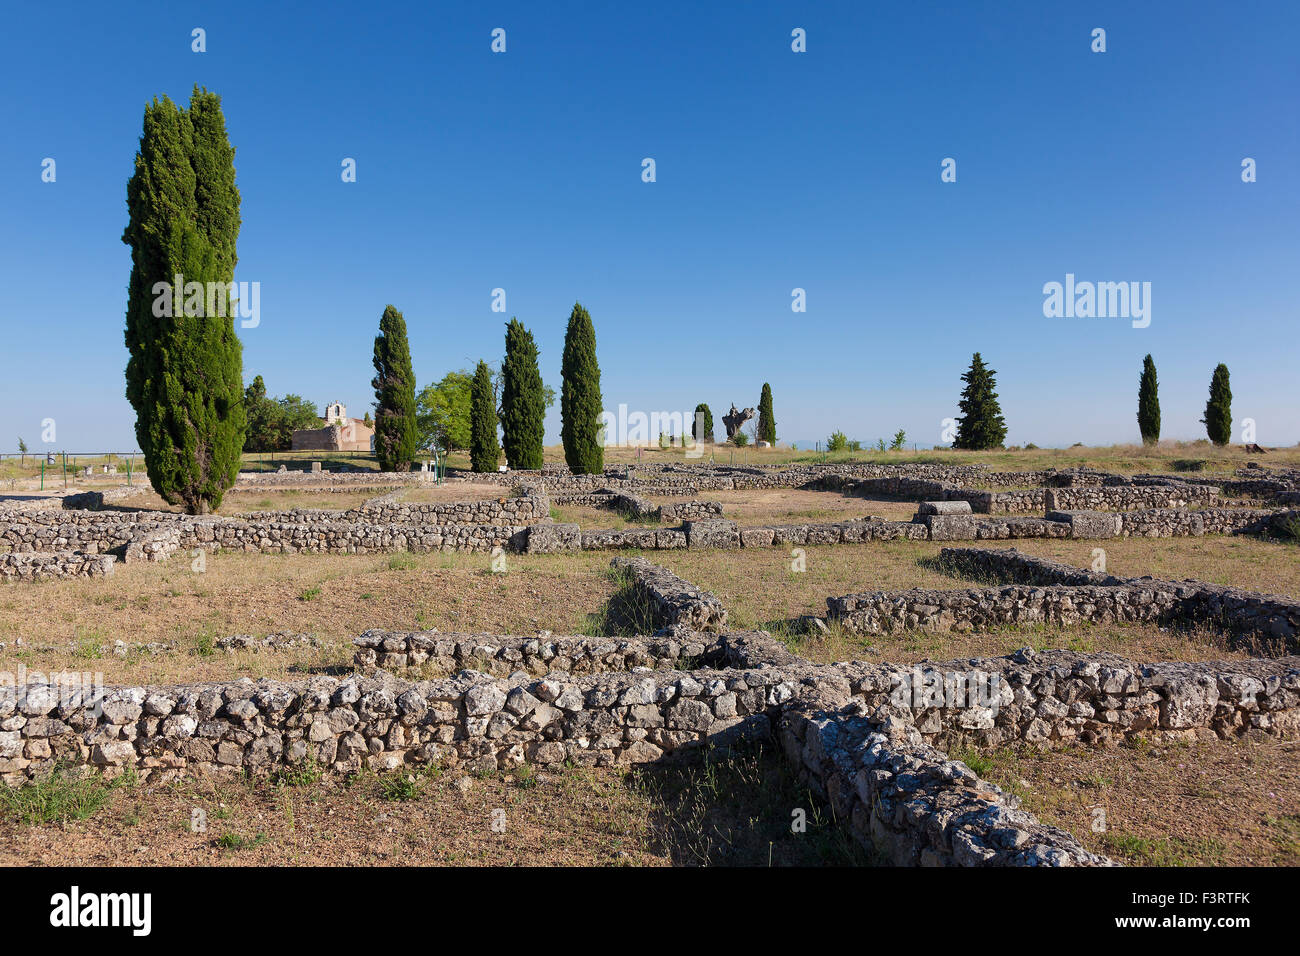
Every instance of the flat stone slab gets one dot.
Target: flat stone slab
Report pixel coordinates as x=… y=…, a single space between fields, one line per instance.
x=550 y=538
x=712 y=533
x=1089 y=524
x=950 y=527
x=944 y=508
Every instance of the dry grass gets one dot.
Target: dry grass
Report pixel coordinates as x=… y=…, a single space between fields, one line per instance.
x=701 y=809
x=1205 y=803
x=334 y=597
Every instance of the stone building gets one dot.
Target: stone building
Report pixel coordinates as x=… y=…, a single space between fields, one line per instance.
x=338 y=432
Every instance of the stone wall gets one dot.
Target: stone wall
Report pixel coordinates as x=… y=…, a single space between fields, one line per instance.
x=1129 y=497
x=672 y=601
x=501 y=656
x=1048 y=592
x=44 y=566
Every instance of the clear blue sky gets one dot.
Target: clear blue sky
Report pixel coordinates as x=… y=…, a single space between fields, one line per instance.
x=775 y=170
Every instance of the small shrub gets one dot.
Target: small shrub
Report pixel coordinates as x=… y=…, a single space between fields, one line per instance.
x=740 y=439
x=899 y=440
x=310 y=594
x=837 y=442
x=398 y=787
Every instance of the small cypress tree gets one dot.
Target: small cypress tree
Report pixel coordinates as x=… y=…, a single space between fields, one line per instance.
x=184 y=373
x=1149 y=403
x=523 y=400
x=580 y=402
x=766 y=421
x=703 y=416
x=980 y=425
x=394 y=385
x=1218 y=410
x=484 y=452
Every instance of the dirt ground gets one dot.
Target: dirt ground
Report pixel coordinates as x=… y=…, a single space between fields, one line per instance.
x=1207 y=803
x=698 y=811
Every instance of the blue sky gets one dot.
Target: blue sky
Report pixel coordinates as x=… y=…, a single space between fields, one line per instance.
x=775 y=170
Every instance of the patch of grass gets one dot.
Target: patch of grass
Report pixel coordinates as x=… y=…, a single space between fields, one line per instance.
x=1163 y=851
x=403 y=561
x=310 y=594
x=60 y=796
x=400 y=787
x=306 y=774
x=237 y=841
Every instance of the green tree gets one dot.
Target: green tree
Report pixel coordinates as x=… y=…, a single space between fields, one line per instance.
x=1218 y=410
x=580 y=402
x=980 y=425
x=184 y=374
x=899 y=440
x=443 y=418
x=766 y=421
x=703 y=417
x=837 y=442
x=1149 y=403
x=394 y=385
x=484 y=452
x=523 y=399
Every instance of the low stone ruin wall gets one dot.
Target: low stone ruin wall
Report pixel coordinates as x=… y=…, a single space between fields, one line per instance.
x=395 y=651
x=672 y=601
x=1129 y=497
x=379 y=525
x=45 y=566
x=1048 y=592
x=910 y=803
x=505 y=511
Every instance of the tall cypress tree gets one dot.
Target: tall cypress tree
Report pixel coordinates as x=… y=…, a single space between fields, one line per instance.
x=184 y=372
x=1218 y=410
x=580 y=402
x=703 y=416
x=394 y=385
x=523 y=402
x=980 y=425
x=484 y=452
x=1149 y=403
x=766 y=421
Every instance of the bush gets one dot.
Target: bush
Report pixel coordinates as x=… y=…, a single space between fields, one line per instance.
x=740 y=439
x=837 y=442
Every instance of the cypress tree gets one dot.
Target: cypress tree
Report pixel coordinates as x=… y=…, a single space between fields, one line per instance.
x=394 y=385
x=484 y=452
x=184 y=373
x=523 y=402
x=766 y=422
x=1218 y=410
x=580 y=402
x=1149 y=403
x=980 y=425
x=704 y=415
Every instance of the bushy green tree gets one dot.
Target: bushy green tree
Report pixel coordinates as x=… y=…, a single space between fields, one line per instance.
x=1218 y=410
x=703 y=417
x=899 y=440
x=980 y=425
x=184 y=374
x=272 y=421
x=523 y=399
x=766 y=420
x=394 y=385
x=1149 y=403
x=443 y=419
x=484 y=452
x=580 y=401
x=837 y=442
